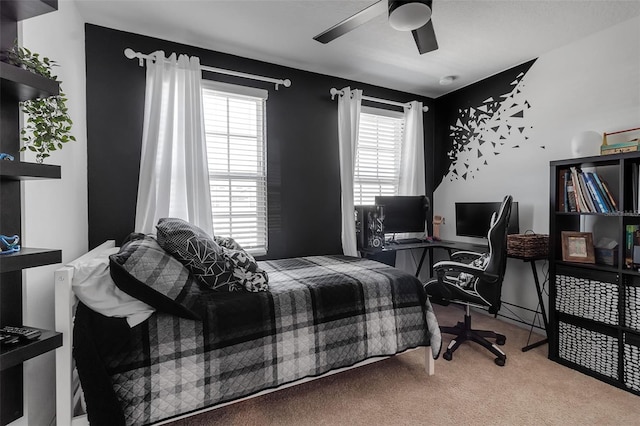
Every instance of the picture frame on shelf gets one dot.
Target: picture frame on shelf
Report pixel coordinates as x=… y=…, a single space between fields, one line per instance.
x=578 y=247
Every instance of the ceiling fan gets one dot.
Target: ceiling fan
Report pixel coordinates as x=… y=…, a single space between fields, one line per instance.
x=414 y=16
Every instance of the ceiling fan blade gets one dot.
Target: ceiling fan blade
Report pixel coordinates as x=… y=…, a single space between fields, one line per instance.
x=352 y=22
x=425 y=38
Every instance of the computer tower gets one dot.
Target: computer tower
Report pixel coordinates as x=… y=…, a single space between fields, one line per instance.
x=369 y=226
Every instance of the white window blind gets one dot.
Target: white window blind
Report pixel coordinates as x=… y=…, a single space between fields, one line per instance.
x=236 y=151
x=378 y=153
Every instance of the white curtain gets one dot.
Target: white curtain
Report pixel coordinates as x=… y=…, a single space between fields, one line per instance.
x=349 y=106
x=174 y=177
x=412 y=173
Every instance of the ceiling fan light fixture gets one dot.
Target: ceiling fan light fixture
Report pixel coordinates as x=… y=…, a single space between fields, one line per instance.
x=408 y=15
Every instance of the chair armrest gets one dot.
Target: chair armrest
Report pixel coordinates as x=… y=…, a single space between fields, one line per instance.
x=472 y=255
x=444 y=266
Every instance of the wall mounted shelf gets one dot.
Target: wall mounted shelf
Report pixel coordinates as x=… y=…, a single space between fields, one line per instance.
x=21 y=85
x=11 y=356
x=18 y=170
x=29 y=258
x=17 y=10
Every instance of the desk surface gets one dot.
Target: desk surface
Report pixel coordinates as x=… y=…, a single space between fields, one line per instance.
x=447 y=245
x=451 y=245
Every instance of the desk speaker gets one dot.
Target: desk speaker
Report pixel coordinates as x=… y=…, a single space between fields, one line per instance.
x=369 y=226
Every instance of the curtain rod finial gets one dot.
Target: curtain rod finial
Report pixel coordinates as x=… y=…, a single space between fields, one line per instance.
x=286 y=83
x=129 y=53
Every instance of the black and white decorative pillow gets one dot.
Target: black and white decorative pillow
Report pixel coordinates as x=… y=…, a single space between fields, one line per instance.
x=218 y=262
x=198 y=252
x=246 y=270
x=145 y=271
x=227 y=242
x=465 y=280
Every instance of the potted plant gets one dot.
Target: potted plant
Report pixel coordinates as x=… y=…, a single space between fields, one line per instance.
x=48 y=124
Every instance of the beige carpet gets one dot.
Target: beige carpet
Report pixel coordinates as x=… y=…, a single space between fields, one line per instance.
x=469 y=390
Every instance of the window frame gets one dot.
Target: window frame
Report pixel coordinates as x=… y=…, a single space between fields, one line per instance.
x=229 y=91
x=359 y=197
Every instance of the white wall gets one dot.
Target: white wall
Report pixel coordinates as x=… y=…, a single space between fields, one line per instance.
x=54 y=211
x=590 y=85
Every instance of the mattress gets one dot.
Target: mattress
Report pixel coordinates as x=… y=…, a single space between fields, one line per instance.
x=320 y=313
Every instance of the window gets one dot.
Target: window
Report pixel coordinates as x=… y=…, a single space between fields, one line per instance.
x=378 y=152
x=236 y=149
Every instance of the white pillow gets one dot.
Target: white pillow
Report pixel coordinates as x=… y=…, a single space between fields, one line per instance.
x=93 y=285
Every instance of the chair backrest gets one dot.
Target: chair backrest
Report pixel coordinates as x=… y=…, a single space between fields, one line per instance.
x=497 y=236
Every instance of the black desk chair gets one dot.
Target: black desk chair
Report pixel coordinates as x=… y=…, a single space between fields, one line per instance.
x=475 y=279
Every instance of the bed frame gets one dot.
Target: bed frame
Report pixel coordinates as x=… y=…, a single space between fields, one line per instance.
x=66 y=398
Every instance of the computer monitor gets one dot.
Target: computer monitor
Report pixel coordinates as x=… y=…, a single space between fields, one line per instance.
x=403 y=213
x=473 y=219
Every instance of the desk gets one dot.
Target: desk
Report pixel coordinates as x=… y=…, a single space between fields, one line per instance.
x=426 y=246
x=452 y=246
x=539 y=290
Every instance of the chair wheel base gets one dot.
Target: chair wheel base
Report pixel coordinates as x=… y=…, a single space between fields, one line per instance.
x=500 y=339
x=500 y=361
x=447 y=355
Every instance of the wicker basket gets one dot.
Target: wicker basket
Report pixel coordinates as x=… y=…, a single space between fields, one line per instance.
x=631 y=366
x=595 y=351
x=587 y=298
x=528 y=245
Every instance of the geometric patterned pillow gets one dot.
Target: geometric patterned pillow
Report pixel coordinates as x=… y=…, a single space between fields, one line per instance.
x=198 y=252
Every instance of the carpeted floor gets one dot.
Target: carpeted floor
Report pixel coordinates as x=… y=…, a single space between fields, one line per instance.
x=469 y=390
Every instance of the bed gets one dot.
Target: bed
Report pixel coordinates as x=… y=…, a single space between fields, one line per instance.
x=321 y=315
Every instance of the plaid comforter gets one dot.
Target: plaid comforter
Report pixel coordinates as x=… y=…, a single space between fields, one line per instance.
x=320 y=313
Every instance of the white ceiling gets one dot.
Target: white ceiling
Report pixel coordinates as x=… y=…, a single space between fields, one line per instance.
x=477 y=38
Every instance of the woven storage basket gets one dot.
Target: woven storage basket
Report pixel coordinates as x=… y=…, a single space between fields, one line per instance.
x=528 y=245
x=587 y=298
x=632 y=308
x=595 y=351
x=632 y=367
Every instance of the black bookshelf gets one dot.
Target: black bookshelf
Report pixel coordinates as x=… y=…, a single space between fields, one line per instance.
x=593 y=308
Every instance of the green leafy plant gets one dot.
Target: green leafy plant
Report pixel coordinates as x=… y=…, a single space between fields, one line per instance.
x=48 y=124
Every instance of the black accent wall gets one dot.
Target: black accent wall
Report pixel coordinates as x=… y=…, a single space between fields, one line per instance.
x=302 y=141
x=478 y=102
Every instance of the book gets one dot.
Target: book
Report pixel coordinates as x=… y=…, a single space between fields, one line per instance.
x=604 y=192
x=571 y=195
x=562 y=191
x=581 y=204
x=634 y=187
x=594 y=190
x=612 y=200
x=630 y=233
x=585 y=193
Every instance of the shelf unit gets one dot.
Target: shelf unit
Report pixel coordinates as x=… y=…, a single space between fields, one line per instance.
x=595 y=308
x=17 y=84
x=17 y=170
